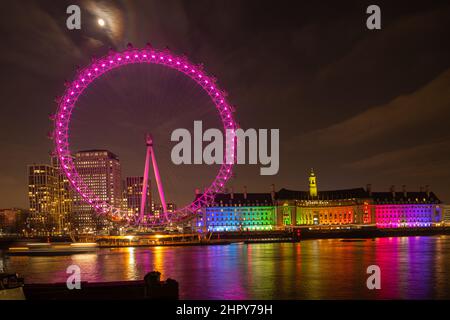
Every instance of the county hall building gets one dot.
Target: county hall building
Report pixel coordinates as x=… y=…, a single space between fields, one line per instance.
x=290 y=208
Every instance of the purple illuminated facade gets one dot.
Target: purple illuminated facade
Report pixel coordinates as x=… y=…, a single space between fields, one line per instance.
x=406 y=209
x=113 y=60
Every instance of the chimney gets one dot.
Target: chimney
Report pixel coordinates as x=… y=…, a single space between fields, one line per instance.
x=369 y=189
x=245 y=192
x=405 y=194
x=427 y=190
x=232 y=193
x=393 y=191
x=197 y=191
x=272 y=193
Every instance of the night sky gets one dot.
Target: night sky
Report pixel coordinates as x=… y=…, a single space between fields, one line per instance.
x=359 y=106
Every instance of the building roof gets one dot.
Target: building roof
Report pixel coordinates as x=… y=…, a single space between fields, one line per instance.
x=285 y=194
x=355 y=193
x=109 y=153
x=239 y=199
x=407 y=197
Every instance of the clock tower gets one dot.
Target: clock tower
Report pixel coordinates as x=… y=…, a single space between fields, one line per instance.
x=312 y=184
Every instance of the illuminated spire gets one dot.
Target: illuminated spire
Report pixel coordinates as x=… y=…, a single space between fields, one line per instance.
x=312 y=184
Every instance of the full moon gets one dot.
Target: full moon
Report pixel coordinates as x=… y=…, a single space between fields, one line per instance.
x=101 y=22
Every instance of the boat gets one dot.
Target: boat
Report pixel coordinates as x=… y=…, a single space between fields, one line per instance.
x=11 y=287
x=51 y=249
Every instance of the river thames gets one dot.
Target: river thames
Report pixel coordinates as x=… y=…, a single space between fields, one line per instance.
x=411 y=268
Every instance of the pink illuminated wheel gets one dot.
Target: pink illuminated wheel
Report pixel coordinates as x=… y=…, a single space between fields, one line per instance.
x=113 y=60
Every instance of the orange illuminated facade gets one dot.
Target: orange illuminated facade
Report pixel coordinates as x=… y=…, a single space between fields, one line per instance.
x=339 y=207
x=313 y=207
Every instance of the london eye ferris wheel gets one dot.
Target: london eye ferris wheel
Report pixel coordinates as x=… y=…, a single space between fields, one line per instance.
x=76 y=89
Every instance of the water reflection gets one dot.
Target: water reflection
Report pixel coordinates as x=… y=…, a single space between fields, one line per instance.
x=414 y=267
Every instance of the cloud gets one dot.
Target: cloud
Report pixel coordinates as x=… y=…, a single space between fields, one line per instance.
x=37 y=37
x=407 y=45
x=427 y=104
x=426 y=159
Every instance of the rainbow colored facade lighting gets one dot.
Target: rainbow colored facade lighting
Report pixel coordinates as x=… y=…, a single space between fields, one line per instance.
x=404 y=215
x=115 y=60
x=239 y=212
x=240 y=218
x=406 y=209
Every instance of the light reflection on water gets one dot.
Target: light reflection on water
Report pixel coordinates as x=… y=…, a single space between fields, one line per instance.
x=411 y=267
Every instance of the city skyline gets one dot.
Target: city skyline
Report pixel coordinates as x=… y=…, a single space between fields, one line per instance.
x=355 y=121
x=395 y=208
x=304 y=185
x=55 y=207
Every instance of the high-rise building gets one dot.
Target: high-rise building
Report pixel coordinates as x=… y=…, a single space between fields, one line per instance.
x=50 y=199
x=64 y=194
x=101 y=172
x=133 y=189
x=43 y=198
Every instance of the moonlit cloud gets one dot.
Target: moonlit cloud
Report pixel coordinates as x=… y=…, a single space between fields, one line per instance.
x=112 y=17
